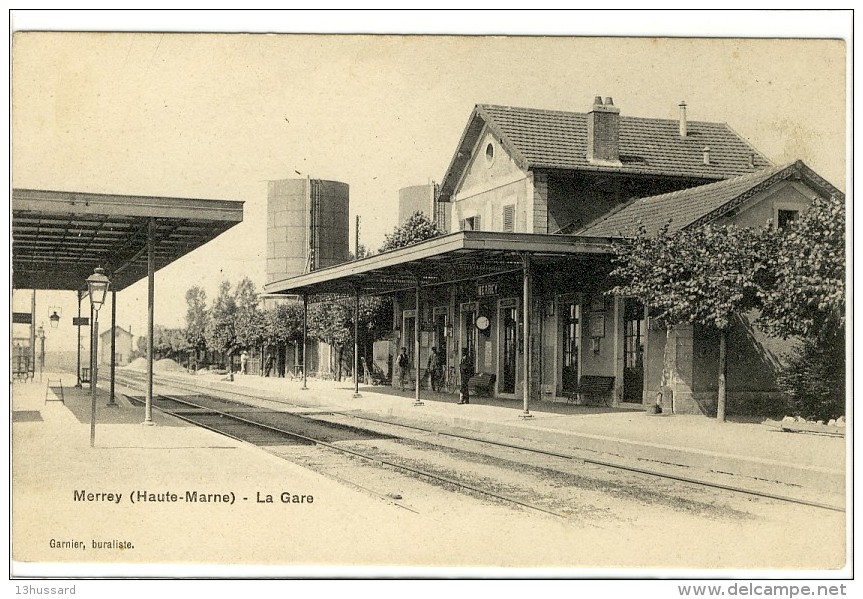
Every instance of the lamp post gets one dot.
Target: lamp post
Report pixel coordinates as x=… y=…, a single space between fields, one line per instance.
x=40 y=333
x=97 y=287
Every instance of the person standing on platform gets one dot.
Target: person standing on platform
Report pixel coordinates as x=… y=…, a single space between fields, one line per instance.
x=465 y=367
x=433 y=367
x=404 y=364
x=244 y=362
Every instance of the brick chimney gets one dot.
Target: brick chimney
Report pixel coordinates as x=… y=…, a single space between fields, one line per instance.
x=603 y=133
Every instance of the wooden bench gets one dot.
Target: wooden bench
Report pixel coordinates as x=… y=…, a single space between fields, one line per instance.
x=481 y=385
x=592 y=390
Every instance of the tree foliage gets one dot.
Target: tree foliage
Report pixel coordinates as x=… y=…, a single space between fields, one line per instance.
x=702 y=276
x=220 y=333
x=283 y=323
x=807 y=297
x=417 y=228
x=814 y=379
x=807 y=300
x=197 y=317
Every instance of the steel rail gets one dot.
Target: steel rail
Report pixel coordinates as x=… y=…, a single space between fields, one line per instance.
x=416 y=471
x=644 y=471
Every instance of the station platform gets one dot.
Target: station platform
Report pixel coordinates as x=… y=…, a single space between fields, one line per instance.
x=697 y=443
x=56 y=475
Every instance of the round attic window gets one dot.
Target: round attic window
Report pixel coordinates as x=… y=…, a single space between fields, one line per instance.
x=489 y=153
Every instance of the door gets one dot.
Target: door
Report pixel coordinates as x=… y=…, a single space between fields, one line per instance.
x=634 y=334
x=508 y=317
x=570 y=312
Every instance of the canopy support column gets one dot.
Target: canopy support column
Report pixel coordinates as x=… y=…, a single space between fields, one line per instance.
x=357 y=339
x=525 y=334
x=417 y=401
x=305 y=336
x=33 y=335
x=151 y=274
x=112 y=403
x=78 y=370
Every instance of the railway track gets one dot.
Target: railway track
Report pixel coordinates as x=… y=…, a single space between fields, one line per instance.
x=263 y=427
x=520 y=449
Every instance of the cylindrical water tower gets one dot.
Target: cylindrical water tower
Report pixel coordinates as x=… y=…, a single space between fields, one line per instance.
x=307 y=226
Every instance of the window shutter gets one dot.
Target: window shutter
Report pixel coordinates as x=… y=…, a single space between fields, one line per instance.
x=509 y=218
x=476 y=226
x=462 y=225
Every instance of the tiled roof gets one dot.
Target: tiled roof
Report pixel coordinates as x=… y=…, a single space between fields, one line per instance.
x=697 y=205
x=555 y=139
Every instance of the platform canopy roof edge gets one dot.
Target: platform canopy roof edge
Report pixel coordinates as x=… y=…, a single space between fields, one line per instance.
x=59 y=237
x=447 y=259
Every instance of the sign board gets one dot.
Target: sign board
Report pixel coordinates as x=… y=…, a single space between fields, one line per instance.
x=486 y=289
x=22 y=318
x=80 y=321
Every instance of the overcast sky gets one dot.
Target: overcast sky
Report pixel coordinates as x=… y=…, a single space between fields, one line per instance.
x=217 y=116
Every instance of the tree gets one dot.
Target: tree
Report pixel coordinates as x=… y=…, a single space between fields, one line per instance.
x=220 y=333
x=197 y=317
x=249 y=327
x=808 y=296
x=701 y=276
x=807 y=300
x=283 y=324
x=417 y=228
x=331 y=322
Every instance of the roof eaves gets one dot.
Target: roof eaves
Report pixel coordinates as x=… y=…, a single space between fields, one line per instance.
x=734 y=202
x=634 y=171
x=817 y=180
x=449 y=180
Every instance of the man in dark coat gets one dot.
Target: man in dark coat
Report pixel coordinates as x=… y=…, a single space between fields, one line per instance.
x=465 y=366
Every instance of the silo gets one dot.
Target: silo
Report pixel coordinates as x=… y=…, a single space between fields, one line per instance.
x=307 y=226
x=417 y=198
x=423 y=198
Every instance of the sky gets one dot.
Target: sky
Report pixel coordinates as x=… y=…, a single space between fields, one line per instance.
x=217 y=116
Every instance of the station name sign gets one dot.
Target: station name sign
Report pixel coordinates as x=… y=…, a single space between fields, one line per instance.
x=80 y=321
x=486 y=289
x=22 y=318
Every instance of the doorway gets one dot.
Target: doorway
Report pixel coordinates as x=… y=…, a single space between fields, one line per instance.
x=634 y=334
x=508 y=317
x=570 y=312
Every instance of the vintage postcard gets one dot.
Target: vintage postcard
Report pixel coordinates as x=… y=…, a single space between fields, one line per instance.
x=288 y=303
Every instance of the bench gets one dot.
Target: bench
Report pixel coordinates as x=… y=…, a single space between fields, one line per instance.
x=481 y=384
x=592 y=390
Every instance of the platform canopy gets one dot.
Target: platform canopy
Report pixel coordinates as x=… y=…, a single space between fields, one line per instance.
x=461 y=256
x=59 y=237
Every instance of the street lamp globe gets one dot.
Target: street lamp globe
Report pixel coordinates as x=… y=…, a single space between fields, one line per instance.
x=40 y=332
x=55 y=319
x=97 y=285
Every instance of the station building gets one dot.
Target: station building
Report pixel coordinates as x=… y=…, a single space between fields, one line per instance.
x=535 y=200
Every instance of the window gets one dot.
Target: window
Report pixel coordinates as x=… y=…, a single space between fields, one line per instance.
x=785 y=218
x=470 y=224
x=509 y=218
x=489 y=153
